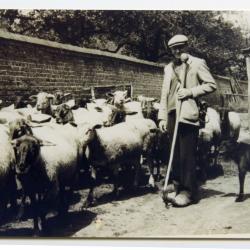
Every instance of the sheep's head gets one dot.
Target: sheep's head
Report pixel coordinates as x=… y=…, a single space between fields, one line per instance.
x=60 y=97
x=64 y=114
x=19 y=127
x=26 y=150
x=119 y=97
x=43 y=101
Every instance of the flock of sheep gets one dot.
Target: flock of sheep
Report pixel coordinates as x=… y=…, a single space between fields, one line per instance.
x=45 y=147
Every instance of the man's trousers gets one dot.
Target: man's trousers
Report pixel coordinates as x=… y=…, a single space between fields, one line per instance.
x=184 y=161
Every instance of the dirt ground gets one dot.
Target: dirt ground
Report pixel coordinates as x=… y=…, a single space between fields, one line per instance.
x=143 y=214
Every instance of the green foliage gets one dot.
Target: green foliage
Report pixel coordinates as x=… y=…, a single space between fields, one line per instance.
x=142 y=34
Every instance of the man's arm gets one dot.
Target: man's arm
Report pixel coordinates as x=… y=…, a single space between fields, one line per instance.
x=208 y=84
x=163 y=112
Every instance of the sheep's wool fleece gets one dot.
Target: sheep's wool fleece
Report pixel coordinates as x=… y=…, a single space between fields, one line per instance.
x=10 y=115
x=63 y=154
x=234 y=119
x=83 y=115
x=124 y=136
x=7 y=157
x=213 y=121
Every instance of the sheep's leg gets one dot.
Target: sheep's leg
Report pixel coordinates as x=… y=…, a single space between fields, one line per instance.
x=12 y=193
x=43 y=221
x=215 y=155
x=158 y=167
x=116 y=180
x=62 y=204
x=21 y=209
x=242 y=174
x=35 y=214
x=137 y=172
x=42 y=212
x=151 y=180
x=23 y=196
x=3 y=204
x=91 y=200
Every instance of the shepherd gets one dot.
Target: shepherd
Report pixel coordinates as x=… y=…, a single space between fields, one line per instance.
x=186 y=79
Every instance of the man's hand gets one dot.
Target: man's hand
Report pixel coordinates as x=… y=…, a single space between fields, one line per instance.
x=184 y=93
x=163 y=125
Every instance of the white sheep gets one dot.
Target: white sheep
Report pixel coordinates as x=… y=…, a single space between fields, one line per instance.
x=7 y=168
x=230 y=125
x=102 y=116
x=118 y=146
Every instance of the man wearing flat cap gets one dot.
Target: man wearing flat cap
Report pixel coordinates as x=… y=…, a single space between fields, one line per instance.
x=186 y=79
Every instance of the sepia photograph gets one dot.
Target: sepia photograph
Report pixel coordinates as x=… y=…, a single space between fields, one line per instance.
x=124 y=124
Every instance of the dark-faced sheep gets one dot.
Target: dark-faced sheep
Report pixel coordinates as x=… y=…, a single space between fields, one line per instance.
x=47 y=162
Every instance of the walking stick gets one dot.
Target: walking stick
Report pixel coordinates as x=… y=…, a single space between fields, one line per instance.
x=184 y=58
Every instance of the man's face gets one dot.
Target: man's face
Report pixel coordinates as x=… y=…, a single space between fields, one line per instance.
x=178 y=50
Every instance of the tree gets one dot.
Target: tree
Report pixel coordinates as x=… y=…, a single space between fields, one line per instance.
x=142 y=34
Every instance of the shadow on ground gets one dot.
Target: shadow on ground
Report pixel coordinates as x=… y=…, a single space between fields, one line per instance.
x=56 y=227
x=207 y=193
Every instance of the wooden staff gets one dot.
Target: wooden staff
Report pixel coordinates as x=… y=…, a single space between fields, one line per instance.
x=184 y=58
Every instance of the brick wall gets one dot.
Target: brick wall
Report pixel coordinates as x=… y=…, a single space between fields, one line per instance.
x=29 y=65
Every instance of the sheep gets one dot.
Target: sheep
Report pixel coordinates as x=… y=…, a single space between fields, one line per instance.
x=156 y=152
x=8 y=189
x=209 y=139
x=230 y=125
x=47 y=161
x=107 y=115
x=118 y=146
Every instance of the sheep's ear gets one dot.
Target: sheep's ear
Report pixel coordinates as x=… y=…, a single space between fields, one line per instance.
x=73 y=124
x=97 y=126
x=153 y=130
x=109 y=94
x=33 y=97
x=67 y=94
x=131 y=112
x=98 y=109
x=45 y=143
x=128 y=99
x=51 y=97
x=125 y=93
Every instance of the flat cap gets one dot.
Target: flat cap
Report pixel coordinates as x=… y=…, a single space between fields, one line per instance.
x=177 y=40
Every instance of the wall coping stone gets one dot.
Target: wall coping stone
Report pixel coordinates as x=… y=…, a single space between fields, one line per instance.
x=57 y=45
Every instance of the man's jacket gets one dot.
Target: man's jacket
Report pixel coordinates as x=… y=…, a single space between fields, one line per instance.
x=198 y=79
